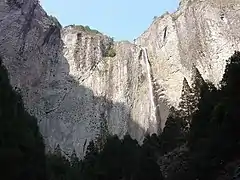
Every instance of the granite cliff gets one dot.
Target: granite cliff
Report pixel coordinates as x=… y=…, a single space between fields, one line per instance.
x=73 y=78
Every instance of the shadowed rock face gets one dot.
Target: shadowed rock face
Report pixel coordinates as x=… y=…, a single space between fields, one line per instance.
x=70 y=85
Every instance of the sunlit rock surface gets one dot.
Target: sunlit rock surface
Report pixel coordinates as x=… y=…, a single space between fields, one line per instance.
x=69 y=82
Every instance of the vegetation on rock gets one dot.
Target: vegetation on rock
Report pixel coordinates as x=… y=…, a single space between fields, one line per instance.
x=86 y=29
x=205 y=151
x=111 y=52
x=21 y=145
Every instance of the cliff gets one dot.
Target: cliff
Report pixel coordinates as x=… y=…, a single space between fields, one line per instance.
x=201 y=33
x=73 y=78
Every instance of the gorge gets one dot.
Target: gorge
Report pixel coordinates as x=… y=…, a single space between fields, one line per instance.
x=73 y=78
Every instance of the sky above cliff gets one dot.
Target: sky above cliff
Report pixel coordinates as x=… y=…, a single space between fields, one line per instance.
x=121 y=19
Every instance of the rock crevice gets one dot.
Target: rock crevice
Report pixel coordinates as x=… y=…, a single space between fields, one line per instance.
x=69 y=84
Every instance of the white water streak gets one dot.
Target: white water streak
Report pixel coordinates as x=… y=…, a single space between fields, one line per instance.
x=153 y=119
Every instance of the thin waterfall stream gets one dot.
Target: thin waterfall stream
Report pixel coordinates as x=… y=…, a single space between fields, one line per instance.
x=153 y=119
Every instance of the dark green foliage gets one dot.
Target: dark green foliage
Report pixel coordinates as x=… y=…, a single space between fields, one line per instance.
x=173 y=134
x=89 y=164
x=148 y=169
x=187 y=103
x=198 y=80
x=74 y=159
x=103 y=134
x=21 y=145
x=151 y=146
x=58 y=167
x=214 y=136
x=111 y=52
x=198 y=84
x=109 y=164
x=213 y=139
x=22 y=150
x=120 y=159
x=201 y=152
x=86 y=29
x=231 y=81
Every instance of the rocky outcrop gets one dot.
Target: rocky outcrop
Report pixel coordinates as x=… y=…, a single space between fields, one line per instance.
x=201 y=33
x=124 y=80
x=70 y=81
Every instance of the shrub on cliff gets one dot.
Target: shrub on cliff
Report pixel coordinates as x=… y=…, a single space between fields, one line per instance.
x=86 y=29
x=111 y=52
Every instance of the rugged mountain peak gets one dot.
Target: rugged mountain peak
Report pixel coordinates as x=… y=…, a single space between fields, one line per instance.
x=72 y=78
x=198 y=34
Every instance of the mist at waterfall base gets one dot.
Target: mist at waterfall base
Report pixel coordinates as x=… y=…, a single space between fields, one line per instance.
x=177 y=153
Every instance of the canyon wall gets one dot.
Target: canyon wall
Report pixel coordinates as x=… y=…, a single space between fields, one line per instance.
x=74 y=78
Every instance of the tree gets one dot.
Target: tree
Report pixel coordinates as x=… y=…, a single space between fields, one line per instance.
x=214 y=135
x=197 y=84
x=58 y=167
x=58 y=151
x=90 y=159
x=173 y=134
x=76 y=167
x=103 y=134
x=151 y=146
x=148 y=169
x=21 y=144
x=187 y=103
x=110 y=159
x=231 y=81
x=130 y=153
x=74 y=159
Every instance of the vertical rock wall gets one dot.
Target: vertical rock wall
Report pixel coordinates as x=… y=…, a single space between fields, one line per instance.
x=70 y=85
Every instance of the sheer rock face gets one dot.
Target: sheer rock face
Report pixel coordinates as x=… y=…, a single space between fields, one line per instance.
x=201 y=32
x=120 y=85
x=69 y=84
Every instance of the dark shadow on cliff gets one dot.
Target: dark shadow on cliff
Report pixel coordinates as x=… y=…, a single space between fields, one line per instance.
x=21 y=144
x=107 y=157
x=22 y=147
x=74 y=114
x=71 y=118
x=82 y=123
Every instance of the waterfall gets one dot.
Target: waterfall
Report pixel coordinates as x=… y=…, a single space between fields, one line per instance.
x=153 y=120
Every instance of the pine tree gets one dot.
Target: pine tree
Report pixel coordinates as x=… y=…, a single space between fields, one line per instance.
x=186 y=104
x=76 y=166
x=151 y=146
x=21 y=144
x=58 y=151
x=103 y=134
x=197 y=79
x=214 y=136
x=231 y=78
x=173 y=134
x=197 y=84
x=90 y=159
x=74 y=159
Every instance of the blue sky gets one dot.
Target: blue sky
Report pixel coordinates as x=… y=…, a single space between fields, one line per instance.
x=121 y=19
